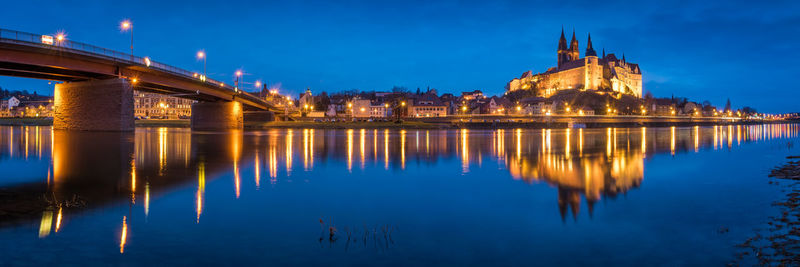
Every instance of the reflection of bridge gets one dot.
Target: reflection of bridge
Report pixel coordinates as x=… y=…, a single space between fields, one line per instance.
x=99 y=83
x=104 y=168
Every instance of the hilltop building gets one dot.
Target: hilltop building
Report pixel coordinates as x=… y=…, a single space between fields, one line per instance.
x=588 y=73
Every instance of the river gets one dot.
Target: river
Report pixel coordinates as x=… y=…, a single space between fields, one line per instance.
x=611 y=196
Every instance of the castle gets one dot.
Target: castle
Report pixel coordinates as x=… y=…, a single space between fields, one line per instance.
x=588 y=73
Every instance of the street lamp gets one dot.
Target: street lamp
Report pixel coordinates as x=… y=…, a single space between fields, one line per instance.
x=238 y=74
x=127 y=25
x=202 y=55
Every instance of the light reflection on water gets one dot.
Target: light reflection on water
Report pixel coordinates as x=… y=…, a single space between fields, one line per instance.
x=107 y=169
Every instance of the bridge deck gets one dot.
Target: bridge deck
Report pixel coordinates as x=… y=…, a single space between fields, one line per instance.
x=33 y=56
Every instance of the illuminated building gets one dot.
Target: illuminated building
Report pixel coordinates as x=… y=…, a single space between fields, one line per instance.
x=588 y=73
x=427 y=105
x=365 y=108
x=151 y=105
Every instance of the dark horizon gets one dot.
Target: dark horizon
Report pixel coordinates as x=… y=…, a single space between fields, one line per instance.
x=702 y=51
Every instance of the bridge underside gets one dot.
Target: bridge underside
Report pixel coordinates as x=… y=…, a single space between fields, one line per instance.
x=107 y=105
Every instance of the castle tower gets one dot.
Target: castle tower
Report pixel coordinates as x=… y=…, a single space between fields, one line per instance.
x=574 y=52
x=589 y=49
x=563 y=53
x=594 y=72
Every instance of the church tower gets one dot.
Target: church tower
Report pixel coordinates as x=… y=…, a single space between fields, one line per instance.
x=574 y=52
x=563 y=53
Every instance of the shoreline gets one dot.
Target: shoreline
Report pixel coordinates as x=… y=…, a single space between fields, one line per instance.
x=409 y=124
x=777 y=244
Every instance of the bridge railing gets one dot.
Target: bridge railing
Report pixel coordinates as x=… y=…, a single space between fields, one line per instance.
x=51 y=42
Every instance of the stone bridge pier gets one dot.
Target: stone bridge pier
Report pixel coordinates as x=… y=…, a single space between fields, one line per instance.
x=222 y=115
x=108 y=105
x=95 y=105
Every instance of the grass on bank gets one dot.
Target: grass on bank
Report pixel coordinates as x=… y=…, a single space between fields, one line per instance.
x=26 y=121
x=162 y=123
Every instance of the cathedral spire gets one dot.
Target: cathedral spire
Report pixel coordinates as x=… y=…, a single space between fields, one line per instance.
x=604 y=52
x=574 y=42
x=563 y=53
x=573 y=35
x=623 y=58
x=574 y=53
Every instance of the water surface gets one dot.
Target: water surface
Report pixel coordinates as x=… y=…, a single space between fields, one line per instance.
x=679 y=195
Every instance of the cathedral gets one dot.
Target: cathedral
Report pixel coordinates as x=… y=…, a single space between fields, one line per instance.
x=588 y=73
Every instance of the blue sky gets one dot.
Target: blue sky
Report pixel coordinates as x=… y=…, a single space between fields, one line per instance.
x=703 y=50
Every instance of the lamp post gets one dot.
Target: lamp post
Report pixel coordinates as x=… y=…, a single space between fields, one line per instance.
x=202 y=55
x=286 y=109
x=238 y=74
x=127 y=25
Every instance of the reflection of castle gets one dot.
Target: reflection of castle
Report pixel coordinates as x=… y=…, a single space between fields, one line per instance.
x=594 y=176
x=588 y=73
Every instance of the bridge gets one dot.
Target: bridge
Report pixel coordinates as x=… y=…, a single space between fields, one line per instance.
x=98 y=83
